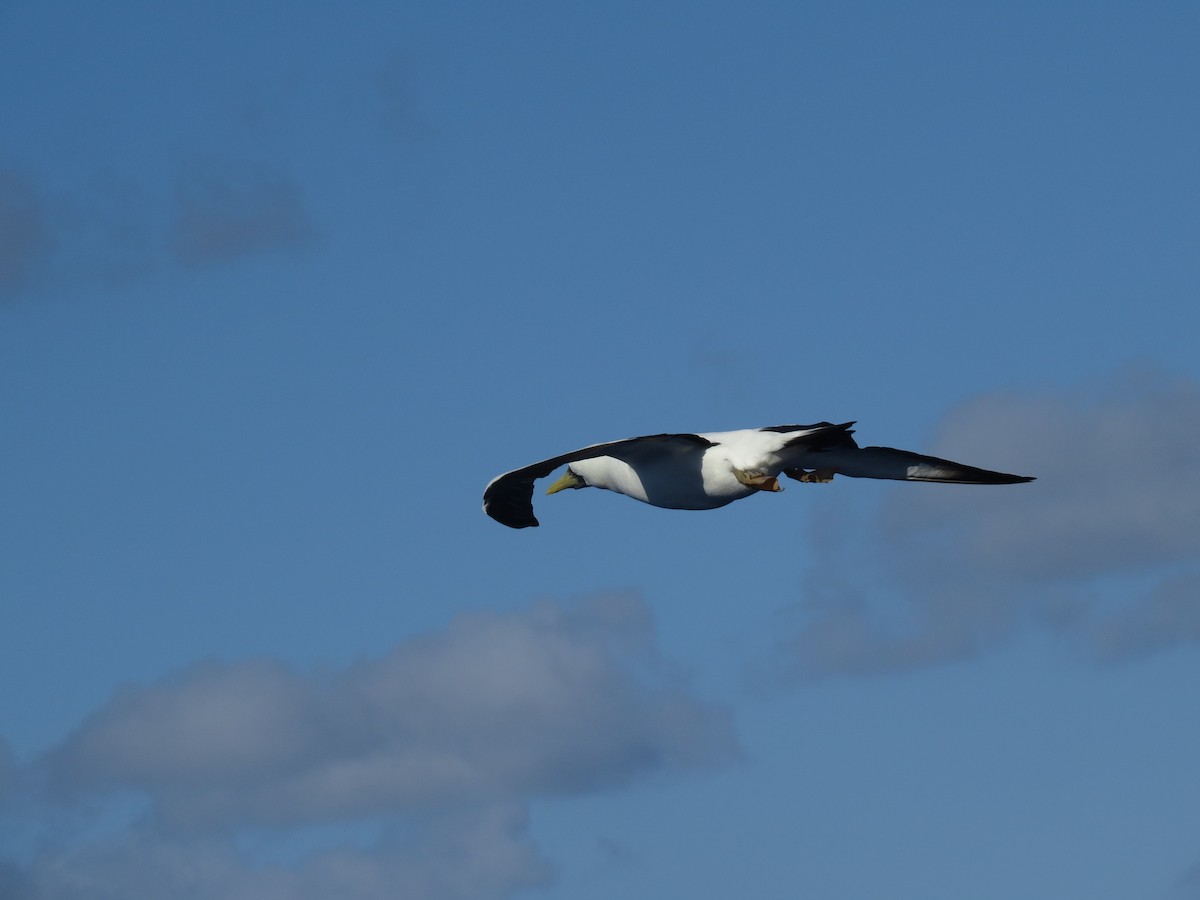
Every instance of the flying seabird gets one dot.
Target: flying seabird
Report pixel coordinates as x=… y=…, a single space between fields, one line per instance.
x=709 y=470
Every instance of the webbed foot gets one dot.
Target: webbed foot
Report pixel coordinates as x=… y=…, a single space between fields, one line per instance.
x=758 y=480
x=816 y=476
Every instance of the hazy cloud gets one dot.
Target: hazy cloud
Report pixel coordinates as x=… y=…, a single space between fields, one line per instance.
x=8 y=769
x=449 y=735
x=946 y=572
x=111 y=229
x=397 y=96
x=25 y=238
x=1188 y=885
x=1168 y=614
x=225 y=212
x=1115 y=461
x=478 y=853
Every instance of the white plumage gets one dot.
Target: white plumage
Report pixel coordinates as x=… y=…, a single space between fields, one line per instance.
x=708 y=470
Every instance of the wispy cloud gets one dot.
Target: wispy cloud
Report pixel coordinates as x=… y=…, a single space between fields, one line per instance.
x=227 y=211
x=933 y=574
x=113 y=229
x=26 y=243
x=445 y=739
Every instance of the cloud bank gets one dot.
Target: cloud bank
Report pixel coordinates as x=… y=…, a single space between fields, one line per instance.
x=1104 y=549
x=442 y=743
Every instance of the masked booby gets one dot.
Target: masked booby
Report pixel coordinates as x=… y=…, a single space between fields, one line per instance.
x=709 y=470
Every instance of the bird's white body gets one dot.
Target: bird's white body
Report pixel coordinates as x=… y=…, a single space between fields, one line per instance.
x=663 y=479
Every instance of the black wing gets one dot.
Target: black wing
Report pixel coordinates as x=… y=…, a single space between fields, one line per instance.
x=904 y=465
x=508 y=498
x=822 y=436
x=898 y=465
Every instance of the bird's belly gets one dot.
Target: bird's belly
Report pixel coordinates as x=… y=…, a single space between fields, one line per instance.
x=705 y=502
x=672 y=486
x=678 y=483
x=700 y=489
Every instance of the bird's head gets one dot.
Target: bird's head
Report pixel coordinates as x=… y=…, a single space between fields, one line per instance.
x=569 y=480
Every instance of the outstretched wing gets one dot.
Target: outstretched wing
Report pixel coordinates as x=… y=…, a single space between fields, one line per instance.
x=898 y=465
x=508 y=498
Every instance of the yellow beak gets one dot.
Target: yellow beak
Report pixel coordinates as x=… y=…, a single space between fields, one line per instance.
x=569 y=480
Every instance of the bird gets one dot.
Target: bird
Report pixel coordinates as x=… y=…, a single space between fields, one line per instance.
x=709 y=470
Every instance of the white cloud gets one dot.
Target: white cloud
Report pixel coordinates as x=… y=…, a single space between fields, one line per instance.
x=448 y=734
x=1115 y=461
x=947 y=572
x=498 y=705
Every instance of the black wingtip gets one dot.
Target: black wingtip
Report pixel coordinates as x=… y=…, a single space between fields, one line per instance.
x=517 y=523
x=1005 y=478
x=513 y=518
x=971 y=475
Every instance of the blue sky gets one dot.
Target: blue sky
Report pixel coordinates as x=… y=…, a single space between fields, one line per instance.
x=283 y=286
